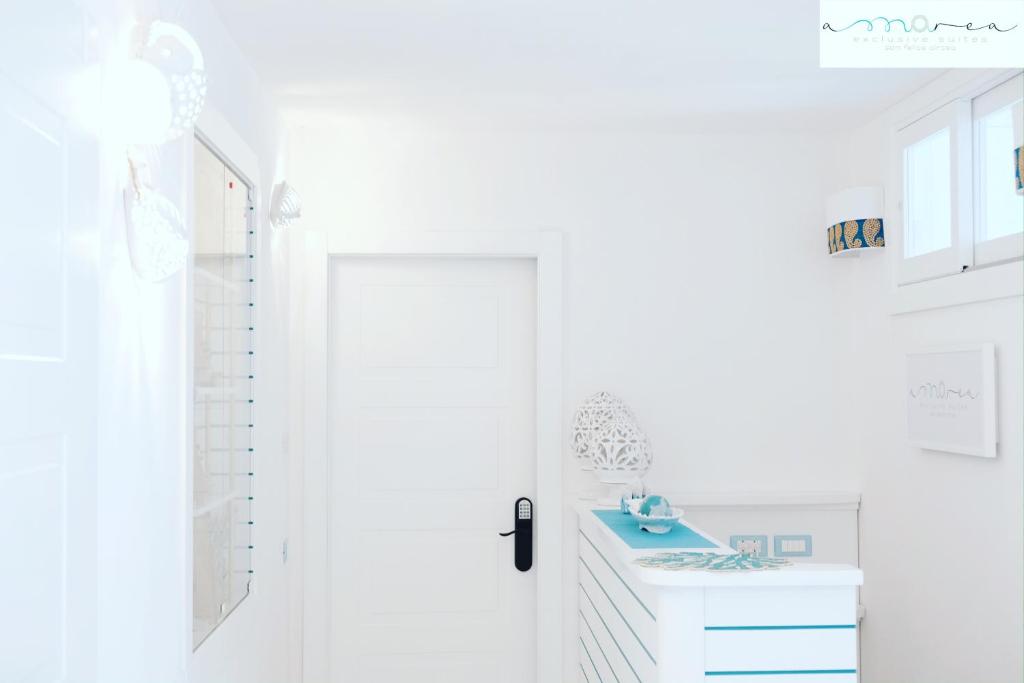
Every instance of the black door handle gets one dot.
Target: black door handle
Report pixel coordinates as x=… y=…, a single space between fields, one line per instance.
x=524 y=534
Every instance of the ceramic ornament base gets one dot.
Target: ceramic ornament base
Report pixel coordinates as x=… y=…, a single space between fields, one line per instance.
x=611 y=494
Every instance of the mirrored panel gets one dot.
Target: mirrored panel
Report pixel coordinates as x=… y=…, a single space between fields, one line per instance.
x=223 y=380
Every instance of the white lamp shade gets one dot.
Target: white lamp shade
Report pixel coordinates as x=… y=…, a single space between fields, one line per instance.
x=853 y=220
x=854 y=204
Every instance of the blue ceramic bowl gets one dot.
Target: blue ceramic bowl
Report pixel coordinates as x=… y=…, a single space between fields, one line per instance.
x=655 y=516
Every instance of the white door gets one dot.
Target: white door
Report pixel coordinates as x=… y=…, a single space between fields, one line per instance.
x=431 y=391
x=48 y=232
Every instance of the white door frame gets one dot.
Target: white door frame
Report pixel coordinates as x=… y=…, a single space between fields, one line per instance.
x=546 y=249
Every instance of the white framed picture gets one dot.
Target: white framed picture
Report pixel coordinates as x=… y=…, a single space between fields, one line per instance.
x=951 y=399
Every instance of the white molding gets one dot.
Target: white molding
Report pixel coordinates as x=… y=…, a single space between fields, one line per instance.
x=546 y=248
x=940 y=92
x=296 y=452
x=521 y=244
x=316 y=498
x=790 y=500
x=982 y=284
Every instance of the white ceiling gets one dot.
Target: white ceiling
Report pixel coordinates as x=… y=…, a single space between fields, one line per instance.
x=665 y=60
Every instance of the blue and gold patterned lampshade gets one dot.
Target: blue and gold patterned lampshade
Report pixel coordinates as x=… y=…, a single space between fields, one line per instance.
x=1018 y=145
x=1018 y=156
x=854 y=221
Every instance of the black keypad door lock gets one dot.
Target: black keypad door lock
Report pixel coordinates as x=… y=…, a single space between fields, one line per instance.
x=523 y=534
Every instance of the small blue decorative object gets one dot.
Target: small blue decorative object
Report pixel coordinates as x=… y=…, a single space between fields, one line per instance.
x=711 y=562
x=655 y=506
x=655 y=515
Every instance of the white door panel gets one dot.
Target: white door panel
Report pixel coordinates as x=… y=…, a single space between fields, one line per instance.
x=49 y=190
x=431 y=404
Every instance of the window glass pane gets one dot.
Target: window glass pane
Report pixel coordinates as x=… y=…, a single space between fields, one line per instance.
x=1000 y=208
x=926 y=195
x=223 y=386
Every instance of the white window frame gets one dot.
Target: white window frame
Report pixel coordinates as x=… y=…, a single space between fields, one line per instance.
x=1007 y=247
x=956 y=111
x=957 y=257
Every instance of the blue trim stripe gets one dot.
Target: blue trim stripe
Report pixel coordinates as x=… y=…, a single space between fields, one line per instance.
x=610 y=635
x=614 y=607
x=592 y=665
x=601 y=555
x=780 y=673
x=808 y=627
x=599 y=648
x=584 y=672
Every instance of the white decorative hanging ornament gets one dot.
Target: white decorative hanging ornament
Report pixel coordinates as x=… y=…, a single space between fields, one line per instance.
x=172 y=50
x=622 y=452
x=157 y=241
x=593 y=414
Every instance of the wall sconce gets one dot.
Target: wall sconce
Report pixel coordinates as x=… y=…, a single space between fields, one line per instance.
x=152 y=98
x=1019 y=172
x=175 y=53
x=285 y=205
x=157 y=94
x=854 y=219
x=1018 y=141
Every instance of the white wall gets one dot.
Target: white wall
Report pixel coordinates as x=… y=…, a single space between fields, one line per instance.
x=144 y=587
x=697 y=280
x=695 y=283
x=941 y=534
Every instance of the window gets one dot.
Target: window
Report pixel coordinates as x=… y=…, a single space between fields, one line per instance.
x=998 y=205
x=930 y=152
x=223 y=378
x=960 y=207
x=928 y=196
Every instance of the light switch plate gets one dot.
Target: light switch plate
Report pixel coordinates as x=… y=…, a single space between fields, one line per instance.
x=792 y=545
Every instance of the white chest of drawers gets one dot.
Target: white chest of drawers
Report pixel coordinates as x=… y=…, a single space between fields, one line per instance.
x=797 y=624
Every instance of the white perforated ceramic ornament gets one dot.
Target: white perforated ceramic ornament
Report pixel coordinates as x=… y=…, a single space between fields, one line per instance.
x=157 y=240
x=593 y=414
x=172 y=50
x=622 y=452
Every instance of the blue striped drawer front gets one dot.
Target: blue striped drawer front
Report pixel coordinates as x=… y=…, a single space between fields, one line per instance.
x=795 y=627
x=821 y=676
x=615 y=578
x=780 y=651
x=588 y=670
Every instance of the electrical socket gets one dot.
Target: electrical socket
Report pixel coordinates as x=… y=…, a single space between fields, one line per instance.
x=750 y=544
